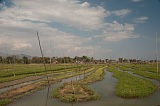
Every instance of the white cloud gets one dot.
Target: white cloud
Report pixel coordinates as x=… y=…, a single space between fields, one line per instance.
x=142 y=19
x=115 y=26
x=20 y=45
x=116 y=32
x=70 y=12
x=90 y=51
x=14 y=43
x=85 y=4
x=122 y=12
x=22 y=36
x=117 y=36
x=19 y=23
x=136 y=0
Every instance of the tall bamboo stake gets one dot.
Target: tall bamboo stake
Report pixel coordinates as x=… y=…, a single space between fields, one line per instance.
x=157 y=52
x=50 y=61
x=50 y=58
x=44 y=66
x=41 y=51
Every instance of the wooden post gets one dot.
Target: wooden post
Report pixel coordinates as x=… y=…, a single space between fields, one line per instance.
x=72 y=87
x=50 y=63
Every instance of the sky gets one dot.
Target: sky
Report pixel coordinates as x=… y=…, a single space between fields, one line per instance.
x=95 y=28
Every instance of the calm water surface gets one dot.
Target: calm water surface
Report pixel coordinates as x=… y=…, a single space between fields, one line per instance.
x=105 y=88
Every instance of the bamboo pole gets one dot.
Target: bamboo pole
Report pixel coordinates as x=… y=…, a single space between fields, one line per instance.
x=72 y=87
x=41 y=52
x=50 y=58
x=157 y=52
x=44 y=67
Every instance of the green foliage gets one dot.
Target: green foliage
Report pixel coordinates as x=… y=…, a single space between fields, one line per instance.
x=21 y=71
x=130 y=86
x=25 y=60
x=72 y=98
x=4 y=102
x=45 y=83
x=95 y=76
x=142 y=69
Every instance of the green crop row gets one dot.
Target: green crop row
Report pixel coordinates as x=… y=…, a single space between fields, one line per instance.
x=129 y=86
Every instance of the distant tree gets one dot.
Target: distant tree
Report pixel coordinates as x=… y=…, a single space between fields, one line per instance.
x=60 y=60
x=92 y=59
x=47 y=59
x=14 y=59
x=37 y=60
x=9 y=60
x=120 y=60
x=77 y=59
x=1 y=59
x=19 y=61
x=25 y=60
x=84 y=58
x=53 y=60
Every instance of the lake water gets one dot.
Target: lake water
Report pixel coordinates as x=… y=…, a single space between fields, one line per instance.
x=105 y=88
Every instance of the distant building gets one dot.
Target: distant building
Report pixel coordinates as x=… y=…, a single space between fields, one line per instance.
x=125 y=61
x=133 y=61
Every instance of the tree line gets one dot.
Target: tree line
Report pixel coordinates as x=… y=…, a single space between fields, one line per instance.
x=25 y=60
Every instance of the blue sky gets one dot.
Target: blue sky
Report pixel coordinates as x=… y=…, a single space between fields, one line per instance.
x=98 y=28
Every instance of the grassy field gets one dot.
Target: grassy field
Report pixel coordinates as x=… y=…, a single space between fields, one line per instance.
x=7 y=70
x=98 y=75
x=18 y=92
x=78 y=91
x=145 y=70
x=143 y=67
x=10 y=72
x=129 y=86
x=4 y=102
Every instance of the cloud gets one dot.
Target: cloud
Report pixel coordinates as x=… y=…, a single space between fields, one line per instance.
x=117 y=32
x=118 y=36
x=20 y=45
x=122 y=12
x=19 y=23
x=90 y=51
x=70 y=12
x=136 y=0
x=14 y=43
x=142 y=19
x=21 y=36
x=85 y=4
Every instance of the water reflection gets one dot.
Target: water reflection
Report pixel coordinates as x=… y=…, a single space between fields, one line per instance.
x=47 y=96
